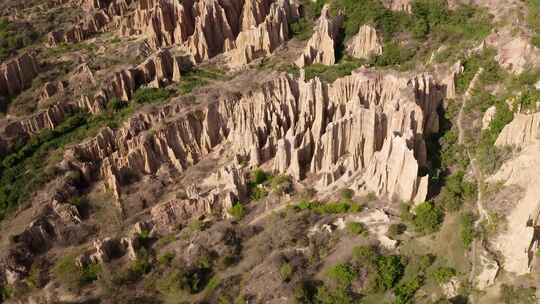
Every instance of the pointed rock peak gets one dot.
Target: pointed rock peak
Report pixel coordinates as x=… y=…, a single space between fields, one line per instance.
x=365 y=43
x=321 y=46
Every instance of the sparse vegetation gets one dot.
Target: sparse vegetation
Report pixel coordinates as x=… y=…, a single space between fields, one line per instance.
x=466 y=229
x=396 y=229
x=197 y=78
x=356 y=228
x=150 y=95
x=74 y=277
x=329 y=208
x=286 y=271
x=238 y=211
x=443 y=274
x=518 y=295
x=330 y=73
x=14 y=37
x=533 y=18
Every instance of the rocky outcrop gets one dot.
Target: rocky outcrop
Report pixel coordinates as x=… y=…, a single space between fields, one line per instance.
x=204 y=29
x=91 y=25
x=365 y=43
x=450 y=80
x=260 y=40
x=156 y=71
x=167 y=216
x=515 y=53
x=398 y=5
x=17 y=74
x=46 y=119
x=164 y=22
x=101 y=16
x=55 y=222
x=523 y=130
x=392 y=169
x=112 y=7
x=488 y=117
x=366 y=122
x=518 y=243
x=50 y=89
x=213 y=33
x=321 y=46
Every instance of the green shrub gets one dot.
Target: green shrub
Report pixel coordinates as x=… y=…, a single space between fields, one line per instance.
x=365 y=255
x=428 y=217
x=346 y=194
x=285 y=271
x=456 y=191
x=150 y=95
x=258 y=177
x=396 y=229
x=405 y=213
x=237 y=211
x=533 y=19
x=258 y=192
x=333 y=208
x=197 y=78
x=116 y=104
x=393 y=54
x=342 y=274
x=357 y=13
x=442 y=275
x=405 y=290
x=301 y=29
x=72 y=276
x=6 y=292
x=193 y=281
x=328 y=208
x=466 y=229
x=327 y=295
x=329 y=73
x=166 y=258
x=141 y=266
x=281 y=184
x=356 y=228
x=390 y=269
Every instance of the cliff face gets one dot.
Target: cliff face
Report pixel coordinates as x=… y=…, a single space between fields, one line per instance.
x=362 y=124
x=17 y=74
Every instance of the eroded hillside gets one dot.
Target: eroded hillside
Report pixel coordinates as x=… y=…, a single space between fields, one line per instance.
x=269 y=151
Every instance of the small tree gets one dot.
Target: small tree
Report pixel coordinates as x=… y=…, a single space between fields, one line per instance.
x=342 y=274
x=428 y=217
x=237 y=211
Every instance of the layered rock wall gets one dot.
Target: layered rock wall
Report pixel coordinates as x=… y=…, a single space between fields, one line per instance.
x=17 y=74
